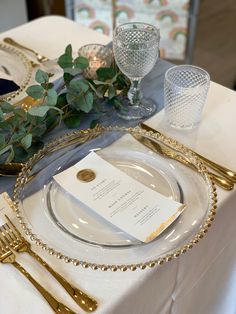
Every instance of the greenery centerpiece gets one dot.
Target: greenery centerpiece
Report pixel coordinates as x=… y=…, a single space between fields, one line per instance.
x=22 y=132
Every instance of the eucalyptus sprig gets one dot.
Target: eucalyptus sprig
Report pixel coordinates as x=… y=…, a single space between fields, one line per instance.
x=22 y=132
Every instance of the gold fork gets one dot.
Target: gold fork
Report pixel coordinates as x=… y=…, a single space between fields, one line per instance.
x=12 y=42
x=8 y=257
x=15 y=241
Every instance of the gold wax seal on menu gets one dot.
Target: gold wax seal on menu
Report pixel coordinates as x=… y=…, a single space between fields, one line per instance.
x=86 y=175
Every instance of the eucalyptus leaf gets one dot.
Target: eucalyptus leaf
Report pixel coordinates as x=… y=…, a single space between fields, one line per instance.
x=89 y=102
x=14 y=121
x=81 y=62
x=105 y=73
x=35 y=91
x=73 y=121
x=98 y=91
x=115 y=102
x=5 y=125
x=34 y=120
x=101 y=90
x=111 y=91
x=34 y=148
x=39 y=111
x=11 y=155
x=8 y=149
x=67 y=78
x=20 y=112
x=72 y=71
x=51 y=120
x=112 y=81
x=58 y=110
x=2 y=140
x=97 y=82
x=6 y=107
x=93 y=123
x=5 y=149
x=41 y=76
x=122 y=81
x=20 y=153
x=40 y=129
x=1 y=115
x=68 y=50
x=51 y=98
x=26 y=141
x=17 y=136
x=82 y=101
x=78 y=86
x=61 y=100
x=66 y=60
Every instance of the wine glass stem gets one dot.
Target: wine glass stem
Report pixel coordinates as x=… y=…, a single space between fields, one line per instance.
x=134 y=93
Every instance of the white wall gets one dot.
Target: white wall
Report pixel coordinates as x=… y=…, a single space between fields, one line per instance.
x=12 y=13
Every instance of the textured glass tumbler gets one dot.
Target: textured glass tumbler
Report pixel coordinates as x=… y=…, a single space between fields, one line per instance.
x=136 y=49
x=185 y=92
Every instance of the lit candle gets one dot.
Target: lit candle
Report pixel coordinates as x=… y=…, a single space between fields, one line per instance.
x=95 y=63
x=98 y=56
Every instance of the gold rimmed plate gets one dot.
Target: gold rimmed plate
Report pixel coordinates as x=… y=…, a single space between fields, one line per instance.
x=18 y=68
x=55 y=221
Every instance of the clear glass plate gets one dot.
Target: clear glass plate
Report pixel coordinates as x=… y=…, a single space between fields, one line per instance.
x=55 y=221
x=17 y=66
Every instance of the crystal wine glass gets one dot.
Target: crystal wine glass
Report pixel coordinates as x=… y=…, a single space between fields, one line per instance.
x=136 y=49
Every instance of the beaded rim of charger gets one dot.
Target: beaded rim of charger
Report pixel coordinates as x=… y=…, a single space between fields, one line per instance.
x=206 y=224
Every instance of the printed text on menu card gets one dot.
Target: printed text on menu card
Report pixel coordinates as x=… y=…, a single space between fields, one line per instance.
x=126 y=203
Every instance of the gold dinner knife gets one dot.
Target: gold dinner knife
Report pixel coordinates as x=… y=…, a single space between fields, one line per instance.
x=227 y=173
x=169 y=153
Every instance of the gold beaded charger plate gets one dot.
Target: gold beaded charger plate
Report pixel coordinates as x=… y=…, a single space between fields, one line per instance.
x=54 y=220
x=18 y=67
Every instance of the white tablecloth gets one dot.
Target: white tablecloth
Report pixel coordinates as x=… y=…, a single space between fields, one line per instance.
x=201 y=281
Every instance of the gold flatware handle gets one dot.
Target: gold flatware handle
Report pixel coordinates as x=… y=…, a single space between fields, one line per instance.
x=220 y=181
x=229 y=174
x=12 y=42
x=87 y=303
x=167 y=152
x=218 y=168
x=57 y=306
x=11 y=169
x=28 y=102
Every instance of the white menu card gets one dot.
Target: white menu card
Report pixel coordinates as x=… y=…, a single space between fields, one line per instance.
x=126 y=203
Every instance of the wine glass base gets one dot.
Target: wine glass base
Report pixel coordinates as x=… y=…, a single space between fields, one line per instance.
x=130 y=112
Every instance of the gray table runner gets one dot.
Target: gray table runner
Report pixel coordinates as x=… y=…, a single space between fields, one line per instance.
x=152 y=87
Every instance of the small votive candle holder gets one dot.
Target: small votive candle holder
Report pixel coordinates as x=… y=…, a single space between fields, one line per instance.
x=99 y=56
